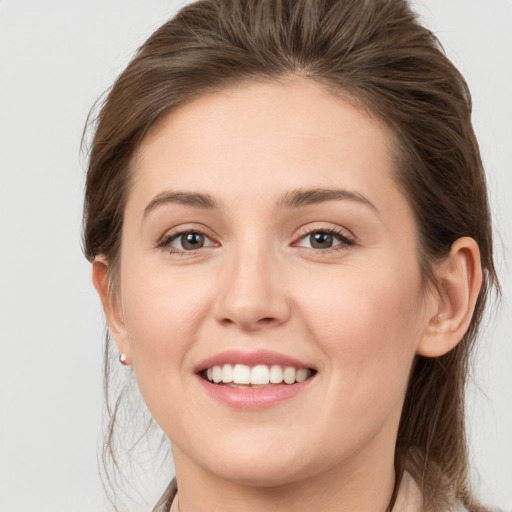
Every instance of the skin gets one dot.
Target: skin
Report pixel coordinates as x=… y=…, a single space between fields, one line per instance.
x=357 y=312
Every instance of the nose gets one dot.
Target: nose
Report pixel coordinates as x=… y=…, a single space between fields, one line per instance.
x=251 y=292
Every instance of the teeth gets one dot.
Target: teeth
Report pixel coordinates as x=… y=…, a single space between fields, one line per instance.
x=257 y=375
x=217 y=374
x=276 y=374
x=241 y=374
x=301 y=375
x=289 y=375
x=260 y=374
x=227 y=373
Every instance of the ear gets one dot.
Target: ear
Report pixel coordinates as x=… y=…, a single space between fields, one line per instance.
x=111 y=306
x=452 y=300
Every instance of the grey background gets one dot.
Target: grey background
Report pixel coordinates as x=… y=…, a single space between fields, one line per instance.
x=56 y=58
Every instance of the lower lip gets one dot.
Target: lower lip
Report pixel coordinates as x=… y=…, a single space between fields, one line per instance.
x=253 y=398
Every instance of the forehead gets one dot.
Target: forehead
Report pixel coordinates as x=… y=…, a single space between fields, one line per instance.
x=274 y=135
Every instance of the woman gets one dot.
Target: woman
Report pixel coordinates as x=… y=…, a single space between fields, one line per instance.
x=287 y=218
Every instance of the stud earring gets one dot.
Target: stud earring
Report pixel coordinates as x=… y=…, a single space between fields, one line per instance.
x=123 y=359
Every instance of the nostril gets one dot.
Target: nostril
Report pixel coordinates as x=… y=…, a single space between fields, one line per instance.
x=249 y=324
x=251 y=311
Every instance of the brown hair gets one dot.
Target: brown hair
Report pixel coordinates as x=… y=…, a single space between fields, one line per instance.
x=371 y=50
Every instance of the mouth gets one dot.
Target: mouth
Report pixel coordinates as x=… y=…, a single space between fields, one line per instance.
x=254 y=380
x=255 y=376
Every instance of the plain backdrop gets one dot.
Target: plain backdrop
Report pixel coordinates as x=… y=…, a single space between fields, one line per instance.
x=56 y=58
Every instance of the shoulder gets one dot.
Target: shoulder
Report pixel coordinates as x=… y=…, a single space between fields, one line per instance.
x=410 y=499
x=460 y=507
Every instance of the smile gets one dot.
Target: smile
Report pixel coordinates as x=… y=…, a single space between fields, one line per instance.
x=254 y=380
x=239 y=375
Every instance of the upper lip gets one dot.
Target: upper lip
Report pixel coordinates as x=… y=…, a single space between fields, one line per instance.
x=252 y=358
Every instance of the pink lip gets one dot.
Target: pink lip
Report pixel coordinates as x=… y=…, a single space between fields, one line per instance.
x=253 y=398
x=249 y=359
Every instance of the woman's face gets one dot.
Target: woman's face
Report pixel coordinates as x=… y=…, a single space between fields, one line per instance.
x=265 y=237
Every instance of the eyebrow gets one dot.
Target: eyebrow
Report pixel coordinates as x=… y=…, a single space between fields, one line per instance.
x=305 y=197
x=195 y=199
x=293 y=199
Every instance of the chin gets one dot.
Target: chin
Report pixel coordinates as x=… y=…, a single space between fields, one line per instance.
x=259 y=464
x=262 y=474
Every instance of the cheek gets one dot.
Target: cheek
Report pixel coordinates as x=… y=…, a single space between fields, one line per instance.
x=368 y=325
x=160 y=330
x=161 y=311
x=158 y=304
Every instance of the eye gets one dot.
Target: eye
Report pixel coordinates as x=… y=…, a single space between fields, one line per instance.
x=324 y=239
x=187 y=241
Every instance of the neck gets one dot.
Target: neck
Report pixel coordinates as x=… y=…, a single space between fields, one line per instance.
x=355 y=486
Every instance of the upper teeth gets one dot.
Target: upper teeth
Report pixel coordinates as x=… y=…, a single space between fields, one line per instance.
x=260 y=374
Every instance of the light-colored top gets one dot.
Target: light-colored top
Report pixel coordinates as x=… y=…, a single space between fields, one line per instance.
x=174 y=506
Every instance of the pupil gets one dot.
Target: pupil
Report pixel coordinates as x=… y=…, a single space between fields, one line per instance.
x=322 y=240
x=192 y=241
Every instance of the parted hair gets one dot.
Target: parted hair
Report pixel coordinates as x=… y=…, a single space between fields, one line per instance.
x=378 y=54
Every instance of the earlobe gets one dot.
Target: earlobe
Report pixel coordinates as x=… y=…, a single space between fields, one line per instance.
x=458 y=283
x=111 y=305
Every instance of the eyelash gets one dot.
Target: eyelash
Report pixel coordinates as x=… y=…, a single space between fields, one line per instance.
x=345 y=241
